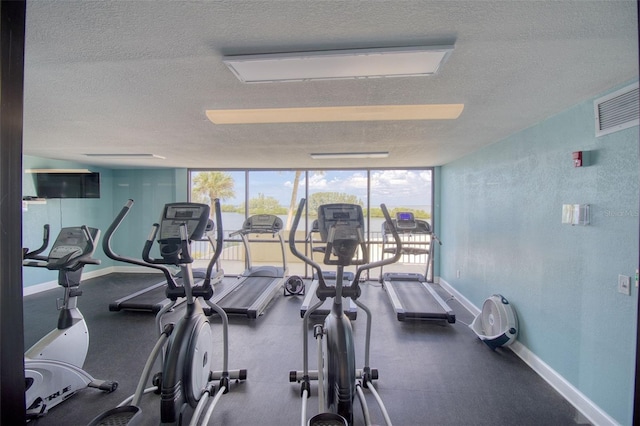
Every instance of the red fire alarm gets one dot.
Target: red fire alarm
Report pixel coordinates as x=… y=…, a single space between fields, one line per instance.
x=577 y=159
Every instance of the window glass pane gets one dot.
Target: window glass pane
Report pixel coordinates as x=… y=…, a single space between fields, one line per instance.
x=229 y=187
x=402 y=191
x=271 y=192
x=279 y=192
x=337 y=186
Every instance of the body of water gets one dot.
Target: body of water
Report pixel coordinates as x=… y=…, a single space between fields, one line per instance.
x=233 y=221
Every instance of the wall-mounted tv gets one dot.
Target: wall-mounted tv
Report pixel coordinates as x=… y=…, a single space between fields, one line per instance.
x=67 y=185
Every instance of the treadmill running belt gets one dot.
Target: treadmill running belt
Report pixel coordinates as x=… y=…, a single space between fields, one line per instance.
x=417 y=301
x=150 y=300
x=244 y=295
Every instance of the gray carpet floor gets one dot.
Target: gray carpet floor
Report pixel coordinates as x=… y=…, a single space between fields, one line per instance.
x=431 y=373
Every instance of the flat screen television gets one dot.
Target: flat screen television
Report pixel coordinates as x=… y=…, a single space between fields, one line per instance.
x=68 y=185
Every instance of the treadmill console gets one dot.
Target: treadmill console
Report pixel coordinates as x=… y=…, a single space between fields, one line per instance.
x=262 y=223
x=196 y=216
x=405 y=220
x=406 y=223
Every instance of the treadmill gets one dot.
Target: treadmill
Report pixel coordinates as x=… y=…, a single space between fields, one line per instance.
x=410 y=294
x=150 y=299
x=154 y=298
x=257 y=285
x=310 y=299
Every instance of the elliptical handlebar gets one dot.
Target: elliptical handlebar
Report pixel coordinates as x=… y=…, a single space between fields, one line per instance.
x=294 y=250
x=182 y=249
x=106 y=246
x=353 y=291
x=219 y=243
x=388 y=260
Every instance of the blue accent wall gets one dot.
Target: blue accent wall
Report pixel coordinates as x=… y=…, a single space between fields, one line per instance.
x=501 y=210
x=150 y=189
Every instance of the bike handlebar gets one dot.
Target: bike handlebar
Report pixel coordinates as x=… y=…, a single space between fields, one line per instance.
x=45 y=243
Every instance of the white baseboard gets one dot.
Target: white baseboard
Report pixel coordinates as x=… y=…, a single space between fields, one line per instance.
x=49 y=285
x=580 y=401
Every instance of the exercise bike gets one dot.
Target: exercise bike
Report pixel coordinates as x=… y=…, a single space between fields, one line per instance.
x=341 y=227
x=53 y=366
x=186 y=383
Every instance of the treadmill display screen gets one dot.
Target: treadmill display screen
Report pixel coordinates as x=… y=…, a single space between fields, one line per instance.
x=404 y=216
x=341 y=215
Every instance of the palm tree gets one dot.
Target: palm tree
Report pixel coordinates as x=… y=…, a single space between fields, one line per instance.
x=207 y=186
x=294 y=195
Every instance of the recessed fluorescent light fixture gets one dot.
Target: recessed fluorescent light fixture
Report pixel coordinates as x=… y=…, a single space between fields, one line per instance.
x=57 y=171
x=128 y=156
x=341 y=155
x=338 y=64
x=336 y=113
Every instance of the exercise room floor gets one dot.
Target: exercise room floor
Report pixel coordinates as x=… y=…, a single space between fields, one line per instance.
x=431 y=373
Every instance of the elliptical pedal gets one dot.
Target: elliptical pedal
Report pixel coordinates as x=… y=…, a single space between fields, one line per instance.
x=327 y=419
x=127 y=415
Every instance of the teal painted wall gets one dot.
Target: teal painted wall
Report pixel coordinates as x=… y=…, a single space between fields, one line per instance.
x=501 y=227
x=150 y=189
x=59 y=213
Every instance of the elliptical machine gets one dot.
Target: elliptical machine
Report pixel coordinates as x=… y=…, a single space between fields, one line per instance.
x=53 y=366
x=342 y=229
x=186 y=383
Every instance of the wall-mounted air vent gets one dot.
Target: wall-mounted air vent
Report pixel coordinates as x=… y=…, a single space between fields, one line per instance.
x=617 y=110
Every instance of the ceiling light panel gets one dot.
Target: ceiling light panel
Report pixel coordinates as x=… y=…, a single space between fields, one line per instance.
x=128 y=156
x=335 y=114
x=341 y=155
x=338 y=64
x=57 y=171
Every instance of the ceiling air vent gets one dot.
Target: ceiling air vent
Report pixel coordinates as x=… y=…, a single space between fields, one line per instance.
x=617 y=110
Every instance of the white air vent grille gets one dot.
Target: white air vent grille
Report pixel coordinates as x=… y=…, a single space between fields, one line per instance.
x=617 y=110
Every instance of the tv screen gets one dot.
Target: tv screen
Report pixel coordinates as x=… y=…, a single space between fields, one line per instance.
x=68 y=185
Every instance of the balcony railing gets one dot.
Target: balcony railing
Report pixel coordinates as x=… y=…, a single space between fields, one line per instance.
x=232 y=258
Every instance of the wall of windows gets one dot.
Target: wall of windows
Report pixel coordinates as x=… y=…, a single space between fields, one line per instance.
x=248 y=192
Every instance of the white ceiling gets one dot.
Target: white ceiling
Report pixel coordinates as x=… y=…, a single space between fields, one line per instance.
x=137 y=76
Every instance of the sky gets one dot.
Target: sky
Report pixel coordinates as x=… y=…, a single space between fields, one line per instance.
x=410 y=188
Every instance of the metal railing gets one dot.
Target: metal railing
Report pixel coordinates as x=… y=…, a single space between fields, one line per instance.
x=233 y=250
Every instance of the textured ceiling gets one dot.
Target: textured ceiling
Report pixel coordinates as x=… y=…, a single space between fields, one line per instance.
x=138 y=76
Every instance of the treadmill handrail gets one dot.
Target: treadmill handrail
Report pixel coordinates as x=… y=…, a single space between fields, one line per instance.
x=423 y=228
x=383 y=261
x=273 y=230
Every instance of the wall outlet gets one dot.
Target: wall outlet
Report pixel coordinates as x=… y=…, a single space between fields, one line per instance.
x=624 y=285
